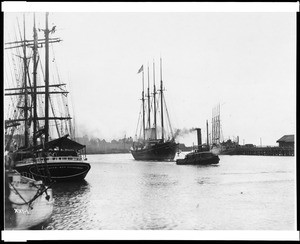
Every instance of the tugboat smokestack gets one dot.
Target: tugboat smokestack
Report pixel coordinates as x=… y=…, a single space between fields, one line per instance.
x=199 y=139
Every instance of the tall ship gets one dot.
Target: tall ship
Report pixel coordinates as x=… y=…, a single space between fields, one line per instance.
x=155 y=140
x=218 y=145
x=39 y=133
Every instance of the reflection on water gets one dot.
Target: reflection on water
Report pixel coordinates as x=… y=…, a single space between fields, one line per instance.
x=70 y=188
x=120 y=193
x=69 y=207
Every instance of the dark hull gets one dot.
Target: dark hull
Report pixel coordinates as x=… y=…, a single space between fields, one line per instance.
x=58 y=171
x=199 y=160
x=159 y=152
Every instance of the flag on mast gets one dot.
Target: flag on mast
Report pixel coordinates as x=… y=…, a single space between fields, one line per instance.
x=141 y=69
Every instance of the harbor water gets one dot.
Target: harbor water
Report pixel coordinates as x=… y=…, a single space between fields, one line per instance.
x=119 y=193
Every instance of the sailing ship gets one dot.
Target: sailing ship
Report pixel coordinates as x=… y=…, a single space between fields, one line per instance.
x=200 y=156
x=218 y=146
x=40 y=156
x=154 y=142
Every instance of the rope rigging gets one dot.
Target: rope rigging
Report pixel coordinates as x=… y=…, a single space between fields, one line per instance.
x=38 y=193
x=138 y=122
x=169 y=122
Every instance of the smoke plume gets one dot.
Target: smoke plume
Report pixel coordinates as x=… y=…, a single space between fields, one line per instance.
x=183 y=132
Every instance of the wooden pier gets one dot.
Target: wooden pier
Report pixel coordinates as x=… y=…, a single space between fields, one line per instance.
x=266 y=151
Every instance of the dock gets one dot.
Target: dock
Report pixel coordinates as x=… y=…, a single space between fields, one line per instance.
x=265 y=151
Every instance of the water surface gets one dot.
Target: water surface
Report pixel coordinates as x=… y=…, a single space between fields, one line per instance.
x=119 y=193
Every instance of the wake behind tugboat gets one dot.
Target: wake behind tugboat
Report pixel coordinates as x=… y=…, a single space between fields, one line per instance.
x=149 y=146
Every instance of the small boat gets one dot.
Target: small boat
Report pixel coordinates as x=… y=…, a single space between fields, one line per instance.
x=155 y=142
x=36 y=125
x=28 y=202
x=199 y=156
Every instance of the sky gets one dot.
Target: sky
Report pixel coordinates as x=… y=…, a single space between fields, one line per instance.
x=244 y=61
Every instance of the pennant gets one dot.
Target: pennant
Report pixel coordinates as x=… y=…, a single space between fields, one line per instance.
x=141 y=69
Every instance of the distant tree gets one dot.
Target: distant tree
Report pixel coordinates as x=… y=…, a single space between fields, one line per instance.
x=114 y=141
x=93 y=142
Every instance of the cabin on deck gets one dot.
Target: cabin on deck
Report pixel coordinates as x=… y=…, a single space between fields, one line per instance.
x=286 y=141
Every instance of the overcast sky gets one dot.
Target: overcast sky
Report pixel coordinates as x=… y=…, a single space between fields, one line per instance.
x=244 y=61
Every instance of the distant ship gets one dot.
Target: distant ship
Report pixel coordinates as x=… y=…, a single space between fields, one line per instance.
x=33 y=116
x=201 y=156
x=153 y=143
x=217 y=146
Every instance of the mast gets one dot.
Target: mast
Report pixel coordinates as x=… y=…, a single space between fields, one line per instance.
x=161 y=101
x=212 y=127
x=154 y=101
x=33 y=89
x=26 y=134
x=143 y=101
x=207 y=141
x=46 y=80
x=219 y=125
x=149 y=124
x=34 y=83
x=213 y=136
x=216 y=125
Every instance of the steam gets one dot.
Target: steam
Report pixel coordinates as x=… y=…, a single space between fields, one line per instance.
x=82 y=130
x=96 y=133
x=183 y=132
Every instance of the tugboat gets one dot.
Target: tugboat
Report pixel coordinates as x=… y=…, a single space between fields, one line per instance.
x=199 y=156
x=149 y=146
x=37 y=120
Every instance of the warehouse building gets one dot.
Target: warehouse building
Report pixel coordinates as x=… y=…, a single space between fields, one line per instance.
x=286 y=141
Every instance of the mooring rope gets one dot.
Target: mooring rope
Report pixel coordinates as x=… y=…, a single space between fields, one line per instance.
x=38 y=193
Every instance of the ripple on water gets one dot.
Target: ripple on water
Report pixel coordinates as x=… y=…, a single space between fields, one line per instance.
x=123 y=194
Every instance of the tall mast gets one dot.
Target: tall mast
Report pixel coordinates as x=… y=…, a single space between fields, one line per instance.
x=161 y=101
x=219 y=125
x=149 y=124
x=46 y=80
x=143 y=101
x=154 y=101
x=207 y=141
x=214 y=126
x=34 y=83
x=26 y=134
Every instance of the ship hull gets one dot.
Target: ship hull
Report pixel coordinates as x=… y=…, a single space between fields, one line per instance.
x=158 y=152
x=23 y=208
x=199 y=159
x=59 y=170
